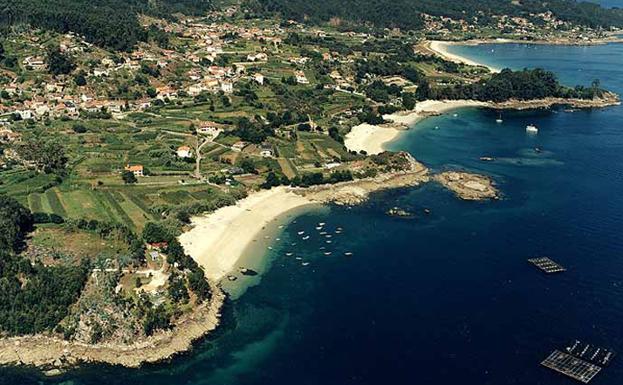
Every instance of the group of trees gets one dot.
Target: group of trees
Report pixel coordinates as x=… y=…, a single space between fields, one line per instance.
x=407 y=14
x=252 y=131
x=108 y=23
x=33 y=298
x=45 y=154
x=522 y=85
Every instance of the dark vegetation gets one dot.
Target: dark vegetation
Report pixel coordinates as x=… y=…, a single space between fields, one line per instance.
x=108 y=23
x=407 y=13
x=33 y=297
x=522 y=85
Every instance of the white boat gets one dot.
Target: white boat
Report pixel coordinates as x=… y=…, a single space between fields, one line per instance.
x=499 y=119
x=306 y=237
x=304 y=263
x=301 y=232
x=321 y=224
x=327 y=253
x=532 y=129
x=348 y=253
x=289 y=254
x=318 y=227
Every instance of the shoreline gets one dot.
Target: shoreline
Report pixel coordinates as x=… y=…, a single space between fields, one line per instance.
x=373 y=138
x=440 y=48
x=239 y=225
x=219 y=241
x=216 y=241
x=53 y=355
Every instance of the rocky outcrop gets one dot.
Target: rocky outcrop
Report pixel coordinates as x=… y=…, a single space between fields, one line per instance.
x=53 y=355
x=467 y=186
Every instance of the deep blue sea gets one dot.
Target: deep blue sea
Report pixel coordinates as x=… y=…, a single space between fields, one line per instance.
x=444 y=298
x=609 y=3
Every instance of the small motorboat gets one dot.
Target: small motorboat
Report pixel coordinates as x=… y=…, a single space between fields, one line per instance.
x=348 y=254
x=532 y=129
x=487 y=158
x=301 y=233
x=305 y=237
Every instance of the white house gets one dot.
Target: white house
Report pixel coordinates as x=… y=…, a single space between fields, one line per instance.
x=266 y=150
x=301 y=78
x=259 y=78
x=184 y=152
x=227 y=87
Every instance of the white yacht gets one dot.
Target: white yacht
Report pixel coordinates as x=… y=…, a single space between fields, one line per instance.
x=532 y=129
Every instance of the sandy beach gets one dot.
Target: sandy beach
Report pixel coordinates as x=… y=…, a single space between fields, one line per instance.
x=218 y=240
x=371 y=138
x=441 y=49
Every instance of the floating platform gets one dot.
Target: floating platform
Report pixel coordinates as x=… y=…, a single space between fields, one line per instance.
x=547 y=265
x=571 y=366
x=591 y=353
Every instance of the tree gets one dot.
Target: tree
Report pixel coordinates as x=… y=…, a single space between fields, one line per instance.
x=151 y=92
x=59 y=63
x=15 y=222
x=177 y=289
x=128 y=177
x=155 y=232
x=80 y=80
x=248 y=166
x=45 y=154
x=408 y=100
x=272 y=180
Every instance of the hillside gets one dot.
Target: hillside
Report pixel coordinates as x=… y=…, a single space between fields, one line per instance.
x=107 y=23
x=408 y=14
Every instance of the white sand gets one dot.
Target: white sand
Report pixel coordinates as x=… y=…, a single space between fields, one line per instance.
x=372 y=139
x=441 y=49
x=369 y=138
x=218 y=240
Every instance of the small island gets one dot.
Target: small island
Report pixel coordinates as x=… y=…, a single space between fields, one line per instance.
x=467 y=186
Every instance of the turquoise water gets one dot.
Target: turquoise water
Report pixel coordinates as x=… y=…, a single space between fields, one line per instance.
x=445 y=298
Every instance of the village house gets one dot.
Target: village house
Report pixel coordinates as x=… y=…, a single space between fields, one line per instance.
x=209 y=129
x=196 y=89
x=257 y=57
x=36 y=63
x=258 y=78
x=227 y=87
x=300 y=77
x=184 y=152
x=239 y=146
x=137 y=170
x=266 y=150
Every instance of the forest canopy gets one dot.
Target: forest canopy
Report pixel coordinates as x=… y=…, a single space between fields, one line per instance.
x=107 y=23
x=407 y=13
